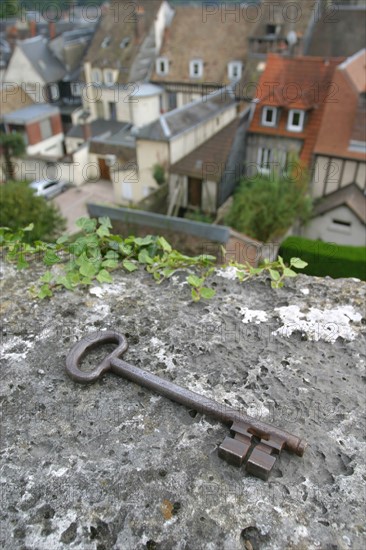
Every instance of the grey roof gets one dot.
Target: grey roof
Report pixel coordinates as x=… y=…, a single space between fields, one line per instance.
x=42 y=59
x=98 y=127
x=180 y=120
x=38 y=111
x=146 y=89
x=350 y=196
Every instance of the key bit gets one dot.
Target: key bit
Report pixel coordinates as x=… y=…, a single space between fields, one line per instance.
x=245 y=429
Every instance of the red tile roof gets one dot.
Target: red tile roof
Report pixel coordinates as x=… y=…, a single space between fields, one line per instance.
x=303 y=83
x=344 y=120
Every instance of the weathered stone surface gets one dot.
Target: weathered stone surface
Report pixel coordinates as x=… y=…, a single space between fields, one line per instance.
x=114 y=466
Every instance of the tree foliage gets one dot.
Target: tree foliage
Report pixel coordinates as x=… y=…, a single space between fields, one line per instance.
x=11 y=145
x=21 y=207
x=266 y=207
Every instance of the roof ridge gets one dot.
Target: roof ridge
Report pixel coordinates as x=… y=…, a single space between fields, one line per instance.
x=165 y=126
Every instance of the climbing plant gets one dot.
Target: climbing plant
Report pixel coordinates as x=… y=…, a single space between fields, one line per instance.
x=96 y=253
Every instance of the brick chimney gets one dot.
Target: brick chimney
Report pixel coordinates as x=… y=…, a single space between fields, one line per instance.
x=32 y=28
x=139 y=23
x=52 y=30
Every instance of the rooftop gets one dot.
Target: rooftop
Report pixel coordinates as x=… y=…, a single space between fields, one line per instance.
x=350 y=196
x=114 y=465
x=36 y=49
x=98 y=126
x=173 y=123
x=214 y=151
x=190 y=36
x=32 y=113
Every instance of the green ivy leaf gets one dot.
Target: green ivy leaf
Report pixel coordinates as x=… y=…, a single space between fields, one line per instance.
x=207 y=293
x=289 y=273
x=104 y=277
x=46 y=277
x=64 y=281
x=105 y=221
x=86 y=224
x=22 y=263
x=129 y=266
x=112 y=264
x=88 y=269
x=44 y=292
x=111 y=255
x=194 y=281
x=274 y=274
x=149 y=239
x=51 y=258
x=125 y=249
x=298 y=263
x=103 y=231
x=62 y=240
x=29 y=227
x=195 y=295
x=164 y=244
x=144 y=257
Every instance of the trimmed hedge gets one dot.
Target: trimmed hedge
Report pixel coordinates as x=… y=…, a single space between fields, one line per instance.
x=326 y=258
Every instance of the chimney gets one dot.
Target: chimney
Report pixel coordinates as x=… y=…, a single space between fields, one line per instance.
x=87 y=133
x=139 y=23
x=32 y=28
x=52 y=30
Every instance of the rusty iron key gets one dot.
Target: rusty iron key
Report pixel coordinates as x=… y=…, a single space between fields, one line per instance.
x=253 y=442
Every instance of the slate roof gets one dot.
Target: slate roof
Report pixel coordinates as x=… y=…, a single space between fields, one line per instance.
x=32 y=113
x=301 y=83
x=214 y=151
x=120 y=21
x=340 y=32
x=36 y=49
x=98 y=127
x=193 y=36
x=182 y=119
x=350 y=196
x=345 y=120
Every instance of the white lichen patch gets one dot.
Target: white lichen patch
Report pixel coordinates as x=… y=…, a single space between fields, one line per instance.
x=253 y=315
x=316 y=324
x=228 y=273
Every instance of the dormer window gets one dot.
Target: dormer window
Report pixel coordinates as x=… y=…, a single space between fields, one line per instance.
x=54 y=92
x=76 y=89
x=162 y=66
x=96 y=76
x=235 y=69
x=125 y=42
x=106 y=41
x=295 y=121
x=196 y=68
x=109 y=77
x=269 y=116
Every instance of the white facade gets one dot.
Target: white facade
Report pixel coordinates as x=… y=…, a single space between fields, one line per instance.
x=20 y=72
x=340 y=226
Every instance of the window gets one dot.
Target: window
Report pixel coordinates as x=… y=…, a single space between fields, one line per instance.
x=99 y=108
x=196 y=68
x=96 y=76
x=106 y=41
x=54 y=92
x=125 y=42
x=235 y=69
x=172 y=100
x=109 y=79
x=264 y=160
x=46 y=128
x=112 y=110
x=76 y=89
x=269 y=116
x=162 y=66
x=295 y=122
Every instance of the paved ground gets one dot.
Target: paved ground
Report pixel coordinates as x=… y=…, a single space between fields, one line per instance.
x=73 y=202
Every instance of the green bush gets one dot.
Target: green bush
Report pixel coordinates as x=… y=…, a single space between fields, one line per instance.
x=20 y=207
x=159 y=174
x=327 y=258
x=265 y=208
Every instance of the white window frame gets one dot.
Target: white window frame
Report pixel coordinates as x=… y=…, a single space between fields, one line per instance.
x=192 y=65
x=265 y=122
x=232 y=66
x=98 y=73
x=165 y=62
x=76 y=89
x=109 y=77
x=293 y=127
x=264 y=156
x=54 y=91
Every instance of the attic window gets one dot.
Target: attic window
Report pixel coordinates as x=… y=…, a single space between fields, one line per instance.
x=295 y=122
x=76 y=89
x=235 y=69
x=271 y=29
x=106 y=42
x=162 y=66
x=54 y=92
x=96 y=76
x=125 y=42
x=109 y=77
x=196 y=68
x=269 y=116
